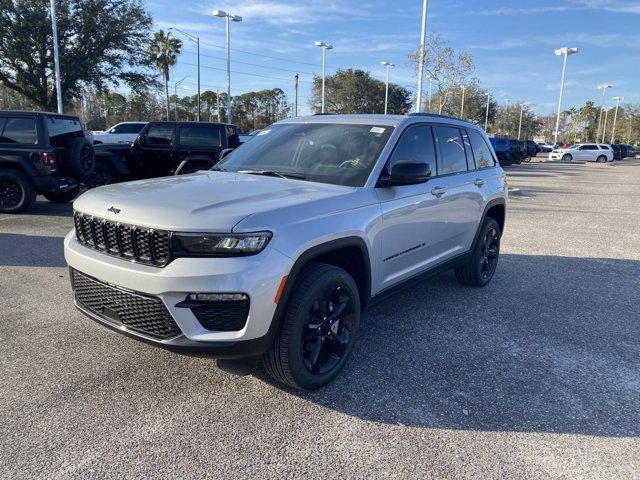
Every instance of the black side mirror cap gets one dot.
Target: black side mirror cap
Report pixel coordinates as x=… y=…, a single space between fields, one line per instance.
x=225 y=152
x=406 y=173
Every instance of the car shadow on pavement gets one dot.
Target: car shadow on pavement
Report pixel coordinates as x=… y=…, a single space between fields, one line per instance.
x=18 y=250
x=50 y=209
x=551 y=345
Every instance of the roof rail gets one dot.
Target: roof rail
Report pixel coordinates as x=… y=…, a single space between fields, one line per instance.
x=427 y=114
x=325 y=113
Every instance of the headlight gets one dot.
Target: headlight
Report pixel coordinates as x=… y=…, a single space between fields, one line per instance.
x=215 y=245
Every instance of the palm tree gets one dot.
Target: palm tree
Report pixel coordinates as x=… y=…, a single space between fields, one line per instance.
x=163 y=54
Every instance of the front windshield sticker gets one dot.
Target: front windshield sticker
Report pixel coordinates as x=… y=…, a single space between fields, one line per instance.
x=262 y=132
x=377 y=130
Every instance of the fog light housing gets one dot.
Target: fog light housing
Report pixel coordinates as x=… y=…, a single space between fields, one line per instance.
x=217 y=297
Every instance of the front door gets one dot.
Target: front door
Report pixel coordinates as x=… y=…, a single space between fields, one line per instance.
x=153 y=156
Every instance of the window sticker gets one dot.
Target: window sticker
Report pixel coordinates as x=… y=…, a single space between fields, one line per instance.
x=377 y=130
x=262 y=132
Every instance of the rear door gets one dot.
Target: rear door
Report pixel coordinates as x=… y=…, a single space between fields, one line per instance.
x=199 y=140
x=587 y=152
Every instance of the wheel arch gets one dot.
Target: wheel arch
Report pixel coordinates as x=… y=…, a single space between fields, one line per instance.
x=114 y=160
x=194 y=159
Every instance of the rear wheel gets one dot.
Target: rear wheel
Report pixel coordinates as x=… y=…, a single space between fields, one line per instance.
x=16 y=193
x=601 y=159
x=64 y=196
x=318 y=330
x=484 y=257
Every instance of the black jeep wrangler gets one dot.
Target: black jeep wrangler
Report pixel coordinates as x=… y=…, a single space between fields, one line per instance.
x=164 y=148
x=41 y=153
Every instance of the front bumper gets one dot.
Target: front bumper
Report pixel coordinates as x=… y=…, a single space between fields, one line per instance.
x=258 y=276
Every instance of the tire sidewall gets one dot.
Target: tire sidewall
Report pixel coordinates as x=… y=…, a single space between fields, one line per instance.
x=28 y=193
x=297 y=319
x=76 y=161
x=475 y=259
x=567 y=158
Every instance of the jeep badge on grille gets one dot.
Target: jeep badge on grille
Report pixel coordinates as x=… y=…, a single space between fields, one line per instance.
x=113 y=210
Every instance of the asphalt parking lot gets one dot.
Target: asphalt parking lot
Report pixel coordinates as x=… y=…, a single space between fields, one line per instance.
x=537 y=375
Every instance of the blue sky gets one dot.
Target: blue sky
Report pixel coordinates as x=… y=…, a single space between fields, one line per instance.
x=512 y=43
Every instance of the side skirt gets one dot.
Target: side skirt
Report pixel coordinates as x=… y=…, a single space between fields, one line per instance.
x=418 y=278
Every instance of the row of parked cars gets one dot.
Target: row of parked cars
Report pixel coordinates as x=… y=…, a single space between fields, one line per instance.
x=594 y=152
x=52 y=155
x=514 y=151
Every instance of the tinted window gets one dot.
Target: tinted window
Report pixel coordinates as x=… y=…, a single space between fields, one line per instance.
x=452 y=156
x=588 y=147
x=501 y=143
x=19 y=130
x=604 y=147
x=128 y=128
x=200 y=137
x=160 y=135
x=481 y=151
x=416 y=145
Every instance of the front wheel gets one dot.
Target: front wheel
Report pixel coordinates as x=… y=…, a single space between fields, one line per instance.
x=479 y=270
x=567 y=158
x=318 y=330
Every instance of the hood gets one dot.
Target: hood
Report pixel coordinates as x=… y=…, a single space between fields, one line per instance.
x=204 y=201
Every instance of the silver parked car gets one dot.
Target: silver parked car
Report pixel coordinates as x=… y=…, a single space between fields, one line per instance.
x=277 y=251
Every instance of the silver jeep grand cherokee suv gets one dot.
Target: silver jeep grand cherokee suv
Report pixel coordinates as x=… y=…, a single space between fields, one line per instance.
x=276 y=251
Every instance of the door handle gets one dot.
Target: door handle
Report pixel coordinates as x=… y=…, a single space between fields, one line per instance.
x=478 y=182
x=438 y=191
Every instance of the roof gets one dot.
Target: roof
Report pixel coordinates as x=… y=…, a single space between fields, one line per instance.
x=38 y=112
x=373 y=119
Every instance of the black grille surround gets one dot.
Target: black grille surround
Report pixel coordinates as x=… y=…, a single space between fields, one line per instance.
x=141 y=313
x=138 y=244
x=223 y=316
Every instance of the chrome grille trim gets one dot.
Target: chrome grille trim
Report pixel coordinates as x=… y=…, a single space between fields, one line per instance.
x=130 y=242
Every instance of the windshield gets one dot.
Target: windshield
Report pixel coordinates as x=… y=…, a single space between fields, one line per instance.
x=333 y=153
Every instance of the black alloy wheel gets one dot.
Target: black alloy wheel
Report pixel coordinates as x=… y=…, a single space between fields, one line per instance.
x=86 y=158
x=328 y=330
x=489 y=253
x=11 y=193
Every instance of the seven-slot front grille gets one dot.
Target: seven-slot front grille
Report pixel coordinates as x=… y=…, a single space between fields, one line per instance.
x=144 y=245
x=138 y=312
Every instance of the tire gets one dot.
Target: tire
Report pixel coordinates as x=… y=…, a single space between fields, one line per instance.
x=81 y=157
x=482 y=265
x=64 y=196
x=103 y=174
x=601 y=159
x=16 y=192
x=567 y=158
x=310 y=350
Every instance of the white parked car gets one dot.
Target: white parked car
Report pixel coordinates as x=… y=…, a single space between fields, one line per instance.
x=124 y=132
x=588 y=152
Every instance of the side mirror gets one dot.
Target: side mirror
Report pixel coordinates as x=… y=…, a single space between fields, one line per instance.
x=224 y=153
x=406 y=173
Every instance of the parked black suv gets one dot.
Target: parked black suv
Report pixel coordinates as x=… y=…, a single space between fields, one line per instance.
x=532 y=148
x=165 y=148
x=41 y=153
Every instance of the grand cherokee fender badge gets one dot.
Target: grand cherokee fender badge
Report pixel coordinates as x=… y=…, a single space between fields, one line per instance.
x=113 y=209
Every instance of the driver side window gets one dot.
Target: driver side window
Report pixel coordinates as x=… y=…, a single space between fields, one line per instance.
x=416 y=145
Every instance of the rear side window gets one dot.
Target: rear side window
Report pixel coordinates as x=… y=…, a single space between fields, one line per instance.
x=416 y=145
x=452 y=154
x=128 y=128
x=588 y=147
x=604 y=147
x=18 y=130
x=159 y=136
x=481 y=151
x=202 y=137
x=62 y=130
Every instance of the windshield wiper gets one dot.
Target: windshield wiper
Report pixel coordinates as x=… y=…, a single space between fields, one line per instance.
x=273 y=173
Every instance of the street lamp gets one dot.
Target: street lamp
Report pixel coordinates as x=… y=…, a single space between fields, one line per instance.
x=615 y=117
x=603 y=87
x=195 y=40
x=566 y=51
x=423 y=34
x=325 y=47
x=486 y=115
x=386 y=88
x=520 y=123
x=175 y=93
x=233 y=18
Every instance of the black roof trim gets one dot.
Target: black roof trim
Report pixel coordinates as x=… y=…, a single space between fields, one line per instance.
x=426 y=114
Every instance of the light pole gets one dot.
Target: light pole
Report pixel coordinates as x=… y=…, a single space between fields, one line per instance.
x=604 y=128
x=56 y=59
x=325 y=47
x=603 y=87
x=295 y=88
x=462 y=104
x=386 y=88
x=430 y=78
x=232 y=18
x=423 y=35
x=566 y=51
x=486 y=115
x=175 y=94
x=196 y=40
x=520 y=123
x=615 y=117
